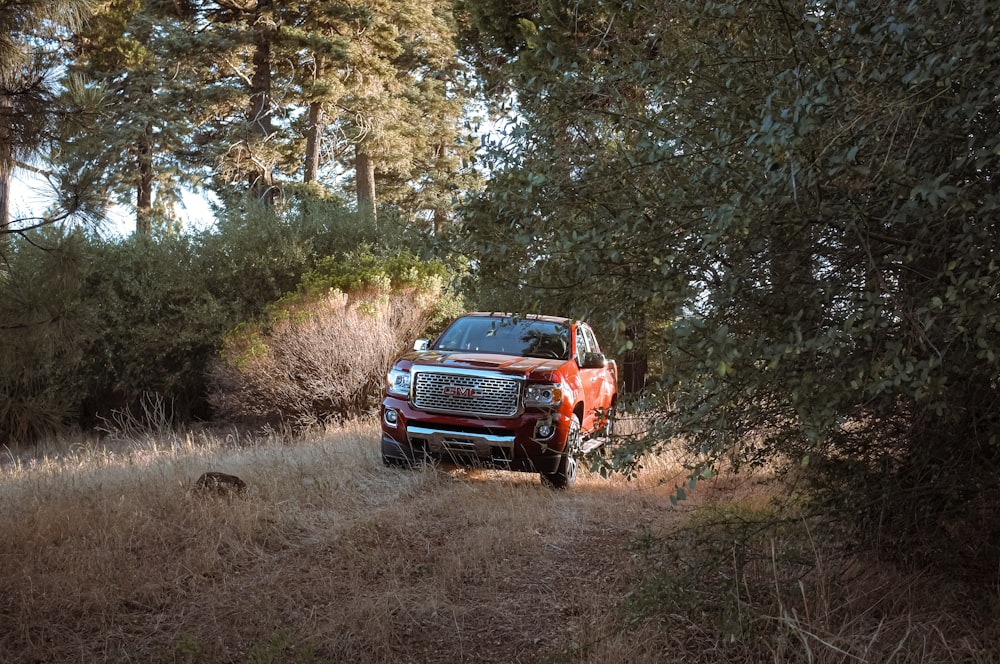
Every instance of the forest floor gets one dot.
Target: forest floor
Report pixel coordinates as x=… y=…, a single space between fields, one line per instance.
x=108 y=555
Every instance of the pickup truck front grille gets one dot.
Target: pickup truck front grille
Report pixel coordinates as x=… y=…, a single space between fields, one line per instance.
x=468 y=394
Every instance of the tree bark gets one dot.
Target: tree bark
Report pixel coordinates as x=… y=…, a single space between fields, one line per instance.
x=260 y=177
x=364 y=168
x=314 y=130
x=144 y=193
x=6 y=165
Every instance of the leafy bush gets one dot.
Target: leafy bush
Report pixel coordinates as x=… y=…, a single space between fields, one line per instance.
x=806 y=233
x=44 y=329
x=91 y=329
x=323 y=351
x=156 y=326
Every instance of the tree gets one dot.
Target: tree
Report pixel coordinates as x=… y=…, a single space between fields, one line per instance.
x=278 y=79
x=384 y=80
x=435 y=91
x=29 y=41
x=132 y=136
x=797 y=205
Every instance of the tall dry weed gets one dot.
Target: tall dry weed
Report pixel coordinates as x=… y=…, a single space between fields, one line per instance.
x=322 y=361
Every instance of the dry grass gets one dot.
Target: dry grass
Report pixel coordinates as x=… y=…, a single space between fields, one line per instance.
x=109 y=556
x=318 y=361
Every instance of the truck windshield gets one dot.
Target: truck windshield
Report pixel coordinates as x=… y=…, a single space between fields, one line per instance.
x=523 y=337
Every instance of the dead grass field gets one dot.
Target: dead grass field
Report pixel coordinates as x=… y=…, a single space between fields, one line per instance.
x=329 y=557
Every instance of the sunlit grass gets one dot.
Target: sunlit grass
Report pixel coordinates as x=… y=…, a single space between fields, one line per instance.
x=109 y=555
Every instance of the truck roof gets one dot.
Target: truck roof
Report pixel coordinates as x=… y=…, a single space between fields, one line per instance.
x=501 y=314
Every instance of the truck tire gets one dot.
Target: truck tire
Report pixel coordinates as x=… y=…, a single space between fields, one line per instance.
x=394 y=456
x=565 y=476
x=396 y=462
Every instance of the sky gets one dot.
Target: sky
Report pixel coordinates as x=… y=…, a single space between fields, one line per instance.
x=31 y=195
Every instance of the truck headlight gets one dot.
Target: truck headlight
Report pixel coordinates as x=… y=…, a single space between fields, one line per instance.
x=398 y=383
x=544 y=394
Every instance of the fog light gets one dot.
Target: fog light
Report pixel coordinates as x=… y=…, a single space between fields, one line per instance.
x=544 y=430
x=391 y=417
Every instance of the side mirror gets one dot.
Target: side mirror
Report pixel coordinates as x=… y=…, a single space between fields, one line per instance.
x=421 y=344
x=592 y=361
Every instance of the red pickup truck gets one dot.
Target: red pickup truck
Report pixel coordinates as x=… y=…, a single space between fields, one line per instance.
x=523 y=393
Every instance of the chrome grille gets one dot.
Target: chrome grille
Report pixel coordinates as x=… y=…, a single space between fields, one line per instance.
x=469 y=394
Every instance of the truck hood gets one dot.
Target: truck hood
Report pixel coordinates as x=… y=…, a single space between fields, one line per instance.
x=529 y=367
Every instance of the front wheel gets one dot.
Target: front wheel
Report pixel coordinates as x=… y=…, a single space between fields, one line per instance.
x=394 y=456
x=565 y=475
x=396 y=462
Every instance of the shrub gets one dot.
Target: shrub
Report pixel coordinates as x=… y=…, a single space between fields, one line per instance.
x=44 y=328
x=322 y=352
x=156 y=326
x=91 y=330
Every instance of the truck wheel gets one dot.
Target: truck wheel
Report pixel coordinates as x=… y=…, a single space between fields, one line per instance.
x=396 y=462
x=608 y=434
x=565 y=476
x=394 y=456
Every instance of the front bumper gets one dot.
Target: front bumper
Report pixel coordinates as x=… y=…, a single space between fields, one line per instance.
x=508 y=443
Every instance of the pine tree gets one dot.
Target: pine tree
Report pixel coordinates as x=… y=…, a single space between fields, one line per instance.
x=130 y=140
x=29 y=45
x=437 y=88
x=238 y=68
x=403 y=124
x=292 y=90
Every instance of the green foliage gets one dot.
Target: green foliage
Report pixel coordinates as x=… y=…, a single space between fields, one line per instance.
x=128 y=141
x=363 y=270
x=44 y=330
x=93 y=327
x=32 y=42
x=284 y=92
x=167 y=303
x=793 y=211
x=256 y=254
x=156 y=325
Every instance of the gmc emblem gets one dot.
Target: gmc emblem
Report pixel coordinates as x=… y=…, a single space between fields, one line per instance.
x=457 y=391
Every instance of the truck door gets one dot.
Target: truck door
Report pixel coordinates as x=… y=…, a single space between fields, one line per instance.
x=595 y=381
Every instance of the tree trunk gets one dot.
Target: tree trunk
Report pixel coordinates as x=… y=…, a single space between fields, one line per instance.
x=441 y=218
x=364 y=168
x=6 y=165
x=144 y=194
x=793 y=284
x=314 y=130
x=4 y=206
x=260 y=179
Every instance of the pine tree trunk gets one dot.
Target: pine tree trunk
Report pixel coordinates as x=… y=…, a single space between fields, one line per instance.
x=439 y=222
x=6 y=166
x=313 y=134
x=144 y=195
x=4 y=205
x=440 y=219
x=314 y=130
x=260 y=178
x=364 y=168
